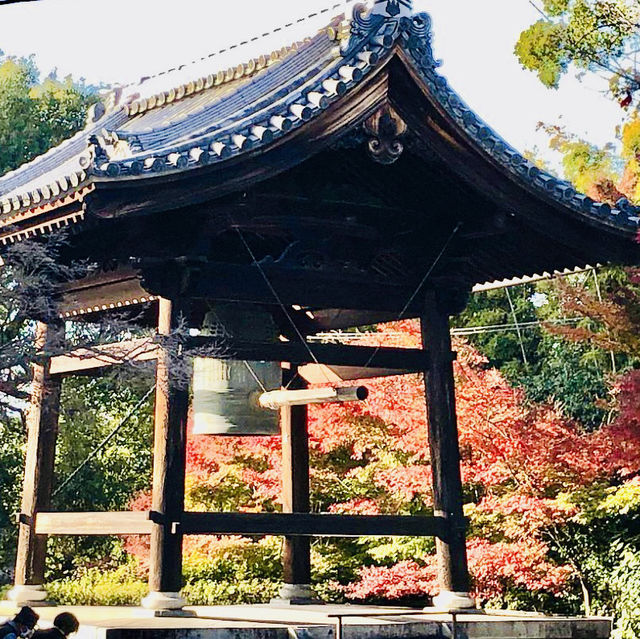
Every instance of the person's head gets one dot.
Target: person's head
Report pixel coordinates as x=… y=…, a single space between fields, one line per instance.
x=26 y=619
x=66 y=623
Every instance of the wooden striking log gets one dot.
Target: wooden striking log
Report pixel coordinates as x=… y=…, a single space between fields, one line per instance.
x=84 y=360
x=42 y=433
x=296 y=554
x=325 y=395
x=169 y=451
x=451 y=551
x=93 y=523
x=311 y=524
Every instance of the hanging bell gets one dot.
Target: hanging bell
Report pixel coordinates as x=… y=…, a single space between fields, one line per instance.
x=226 y=391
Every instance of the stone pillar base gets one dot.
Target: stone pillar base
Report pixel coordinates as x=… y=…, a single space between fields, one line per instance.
x=165 y=604
x=296 y=595
x=448 y=600
x=33 y=595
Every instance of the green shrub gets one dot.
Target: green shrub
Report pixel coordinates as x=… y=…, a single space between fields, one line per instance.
x=210 y=593
x=97 y=587
x=234 y=559
x=625 y=583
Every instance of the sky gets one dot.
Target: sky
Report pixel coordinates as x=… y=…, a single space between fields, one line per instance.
x=120 y=41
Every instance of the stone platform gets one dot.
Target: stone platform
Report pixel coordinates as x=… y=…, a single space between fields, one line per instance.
x=321 y=622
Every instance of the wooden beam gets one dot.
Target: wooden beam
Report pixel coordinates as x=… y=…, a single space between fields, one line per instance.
x=403 y=360
x=310 y=524
x=42 y=433
x=169 y=459
x=453 y=574
x=296 y=552
x=113 y=289
x=84 y=360
x=220 y=281
x=384 y=361
x=197 y=523
x=93 y=523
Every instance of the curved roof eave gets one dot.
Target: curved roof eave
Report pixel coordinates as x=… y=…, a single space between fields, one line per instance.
x=416 y=48
x=345 y=54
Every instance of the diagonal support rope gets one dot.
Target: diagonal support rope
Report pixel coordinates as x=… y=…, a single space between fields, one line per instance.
x=105 y=441
x=422 y=283
x=517 y=325
x=282 y=306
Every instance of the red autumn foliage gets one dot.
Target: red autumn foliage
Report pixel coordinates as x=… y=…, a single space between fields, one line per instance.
x=498 y=566
x=405 y=579
x=373 y=456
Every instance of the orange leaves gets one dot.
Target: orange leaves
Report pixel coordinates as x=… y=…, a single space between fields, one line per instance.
x=495 y=567
x=404 y=579
x=372 y=457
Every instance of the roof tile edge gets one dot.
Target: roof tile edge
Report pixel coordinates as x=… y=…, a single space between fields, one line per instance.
x=416 y=41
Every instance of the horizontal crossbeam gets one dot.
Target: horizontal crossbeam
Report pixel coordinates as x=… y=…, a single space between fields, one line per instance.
x=310 y=524
x=85 y=360
x=94 y=523
x=400 y=359
x=353 y=361
x=197 y=523
x=304 y=287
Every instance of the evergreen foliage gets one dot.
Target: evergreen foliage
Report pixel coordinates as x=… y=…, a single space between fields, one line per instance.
x=36 y=114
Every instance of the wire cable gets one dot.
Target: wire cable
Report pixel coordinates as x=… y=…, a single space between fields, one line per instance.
x=421 y=284
x=282 y=306
x=105 y=441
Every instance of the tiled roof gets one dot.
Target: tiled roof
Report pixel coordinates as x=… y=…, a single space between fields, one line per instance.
x=214 y=115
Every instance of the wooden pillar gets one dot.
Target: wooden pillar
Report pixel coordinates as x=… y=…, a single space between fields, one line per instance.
x=42 y=433
x=295 y=494
x=169 y=453
x=453 y=576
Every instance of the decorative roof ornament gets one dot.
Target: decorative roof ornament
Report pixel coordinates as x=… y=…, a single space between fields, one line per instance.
x=386 y=129
x=145 y=132
x=393 y=8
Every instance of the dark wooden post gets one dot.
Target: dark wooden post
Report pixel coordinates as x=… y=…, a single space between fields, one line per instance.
x=169 y=451
x=295 y=495
x=453 y=575
x=42 y=433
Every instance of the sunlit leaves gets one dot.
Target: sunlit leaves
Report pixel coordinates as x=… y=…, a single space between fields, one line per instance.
x=35 y=116
x=541 y=49
x=597 y=35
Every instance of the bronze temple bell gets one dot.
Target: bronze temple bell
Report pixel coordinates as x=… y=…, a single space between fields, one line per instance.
x=226 y=391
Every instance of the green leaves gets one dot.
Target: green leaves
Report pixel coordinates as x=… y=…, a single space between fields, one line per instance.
x=541 y=48
x=594 y=35
x=36 y=116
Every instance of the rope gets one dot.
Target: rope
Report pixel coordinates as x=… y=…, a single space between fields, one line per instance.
x=518 y=331
x=282 y=306
x=253 y=374
x=344 y=337
x=420 y=285
x=105 y=441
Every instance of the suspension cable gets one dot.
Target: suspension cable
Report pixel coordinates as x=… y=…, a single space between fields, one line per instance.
x=105 y=441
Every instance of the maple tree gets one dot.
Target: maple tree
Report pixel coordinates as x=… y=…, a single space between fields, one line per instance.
x=520 y=465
